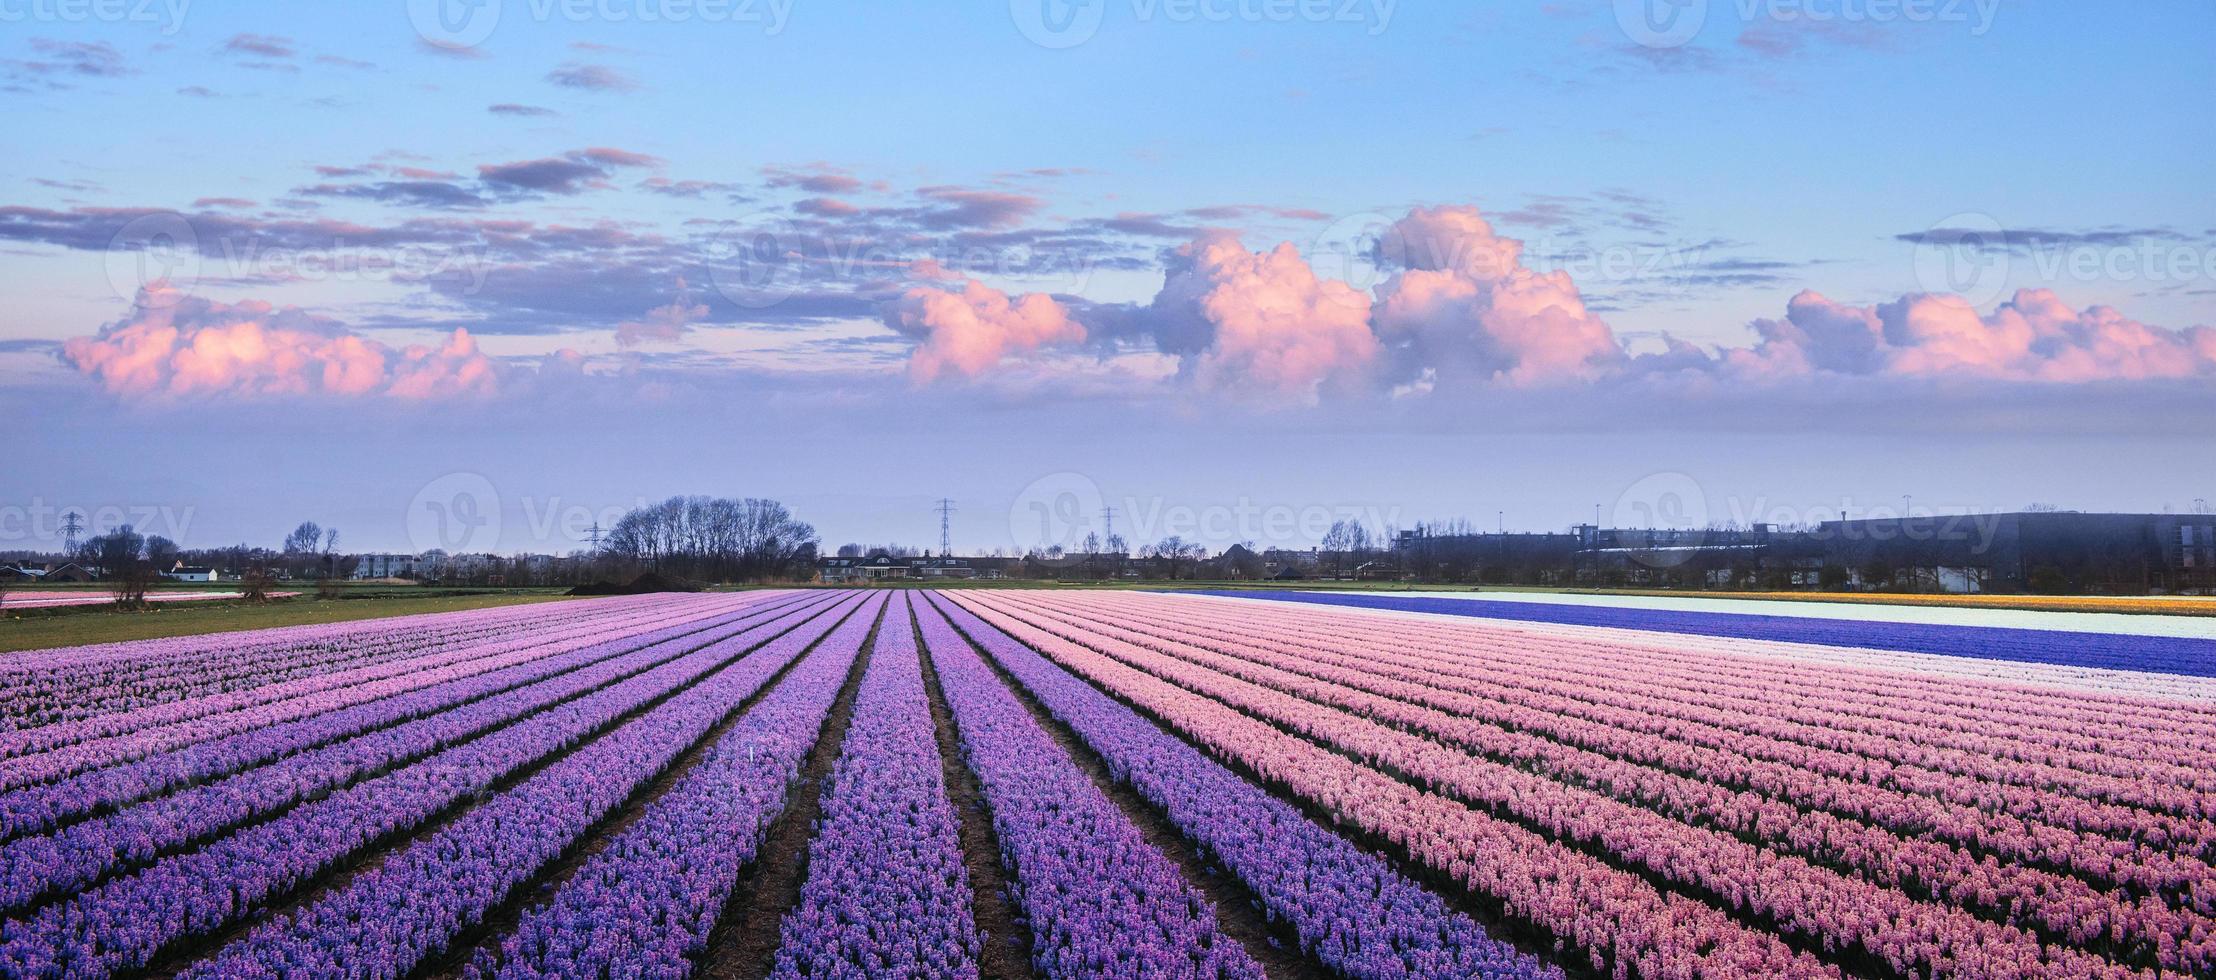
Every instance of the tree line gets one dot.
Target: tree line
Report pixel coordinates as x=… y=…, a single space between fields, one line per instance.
x=715 y=539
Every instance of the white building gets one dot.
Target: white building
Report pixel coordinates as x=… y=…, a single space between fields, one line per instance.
x=388 y=566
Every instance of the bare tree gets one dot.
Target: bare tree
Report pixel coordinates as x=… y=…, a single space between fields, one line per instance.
x=256 y=581
x=1175 y=552
x=305 y=539
x=124 y=566
x=1338 y=541
x=161 y=552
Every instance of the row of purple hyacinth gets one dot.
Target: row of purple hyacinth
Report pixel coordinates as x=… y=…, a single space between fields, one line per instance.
x=71 y=679
x=184 y=678
x=386 y=922
x=1350 y=909
x=1101 y=901
x=41 y=808
x=887 y=893
x=126 y=922
x=86 y=852
x=645 y=905
x=73 y=747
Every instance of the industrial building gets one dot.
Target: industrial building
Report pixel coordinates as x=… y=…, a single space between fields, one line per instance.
x=2031 y=551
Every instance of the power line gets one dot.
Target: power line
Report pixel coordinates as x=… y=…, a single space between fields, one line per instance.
x=1108 y=518
x=592 y=534
x=946 y=526
x=71 y=525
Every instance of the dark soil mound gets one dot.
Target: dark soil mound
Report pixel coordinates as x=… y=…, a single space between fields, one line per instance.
x=649 y=582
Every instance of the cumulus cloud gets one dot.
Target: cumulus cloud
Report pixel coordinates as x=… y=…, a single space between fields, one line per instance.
x=2034 y=336
x=968 y=332
x=1457 y=308
x=1464 y=307
x=181 y=346
x=1261 y=322
x=1460 y=307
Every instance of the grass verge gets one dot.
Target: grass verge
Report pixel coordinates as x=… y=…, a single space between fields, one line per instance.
x=103 y=625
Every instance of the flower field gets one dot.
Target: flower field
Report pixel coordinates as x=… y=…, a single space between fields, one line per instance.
x=2189 y=656
x=49 y=598
x=841 y=783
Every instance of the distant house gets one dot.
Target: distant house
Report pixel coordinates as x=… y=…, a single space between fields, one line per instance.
x=882 y=567
x=68 y=572
x=192 y=573
x=841 y=571
x=941 y=568
x=1377 y=571
x=390 y=566
x=13 y=573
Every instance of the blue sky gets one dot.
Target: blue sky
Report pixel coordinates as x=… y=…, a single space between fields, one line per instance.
x=1102 y=296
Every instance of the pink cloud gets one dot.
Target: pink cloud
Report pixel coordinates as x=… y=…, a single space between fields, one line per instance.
x=969 y=332
x=2034 y=336
x=1464 y=306
x=962 y=207
x=1272 y=327
x=817 y=177
x=930 y=269
x=824 y=207
x=662 y=324
x=174 y=345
